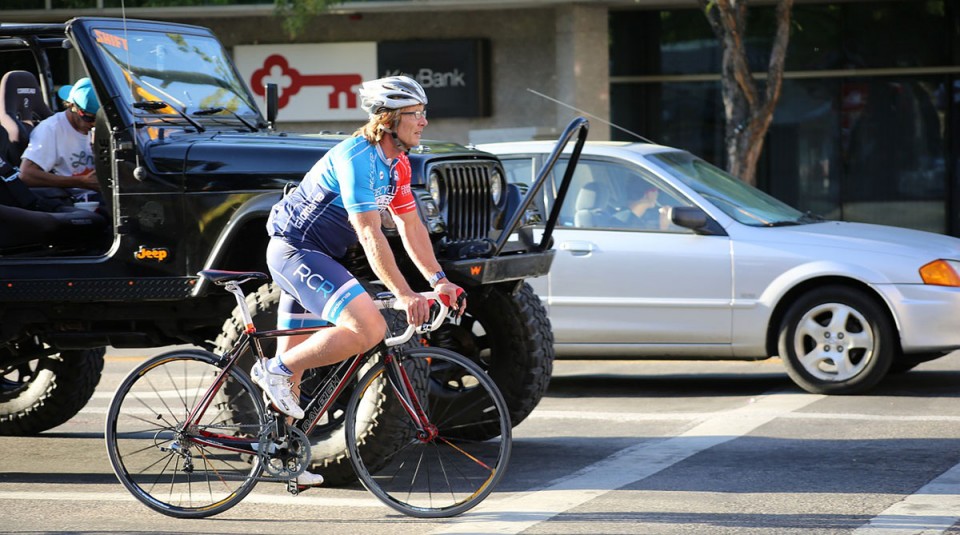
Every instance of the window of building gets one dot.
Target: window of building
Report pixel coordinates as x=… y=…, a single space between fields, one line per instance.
x=864 y=126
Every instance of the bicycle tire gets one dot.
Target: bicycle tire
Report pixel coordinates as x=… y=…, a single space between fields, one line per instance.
x=443 y=476
x=152 y=458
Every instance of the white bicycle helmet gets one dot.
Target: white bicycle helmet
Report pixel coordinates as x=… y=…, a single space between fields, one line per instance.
x=390 y=93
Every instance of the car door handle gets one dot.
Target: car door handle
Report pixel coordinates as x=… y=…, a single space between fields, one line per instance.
x=578 y=248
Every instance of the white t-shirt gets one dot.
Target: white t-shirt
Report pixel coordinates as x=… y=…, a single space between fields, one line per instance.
x=56 y=146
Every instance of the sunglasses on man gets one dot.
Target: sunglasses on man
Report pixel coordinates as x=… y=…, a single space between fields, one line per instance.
x=86 y=117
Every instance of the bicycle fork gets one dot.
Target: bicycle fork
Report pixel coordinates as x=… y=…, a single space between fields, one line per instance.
x=400 y=382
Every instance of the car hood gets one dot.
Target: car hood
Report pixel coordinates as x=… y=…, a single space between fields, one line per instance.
x=869 y=238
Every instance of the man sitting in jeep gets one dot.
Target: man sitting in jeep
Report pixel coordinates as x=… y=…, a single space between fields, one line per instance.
x=60 y=154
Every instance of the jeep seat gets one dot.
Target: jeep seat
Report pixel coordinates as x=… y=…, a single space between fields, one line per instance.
x=58 y=232
x=21 y=109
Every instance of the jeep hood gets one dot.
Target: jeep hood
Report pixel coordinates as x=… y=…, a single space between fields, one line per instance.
x=241 y=154
x=286 y=156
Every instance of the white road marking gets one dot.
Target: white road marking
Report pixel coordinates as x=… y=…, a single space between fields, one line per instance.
x=681 y=416
x=251 y=498
x=627 y=466
x=691 y=416
x=934 y=508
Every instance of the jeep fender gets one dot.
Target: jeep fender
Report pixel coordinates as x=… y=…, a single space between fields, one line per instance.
x=246 y=218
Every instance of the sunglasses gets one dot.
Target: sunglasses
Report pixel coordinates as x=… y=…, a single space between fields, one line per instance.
x=86 y=117
x=419 y=114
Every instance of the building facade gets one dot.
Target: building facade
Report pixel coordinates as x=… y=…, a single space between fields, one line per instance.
x=864 y=131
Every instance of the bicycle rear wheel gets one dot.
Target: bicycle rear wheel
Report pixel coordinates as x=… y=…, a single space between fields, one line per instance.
x=175 y=470
x=441 y=474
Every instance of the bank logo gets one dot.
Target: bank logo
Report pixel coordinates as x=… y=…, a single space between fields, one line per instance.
x=431 y=79
x=276 y=69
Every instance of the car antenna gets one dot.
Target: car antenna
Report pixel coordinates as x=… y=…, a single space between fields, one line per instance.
x=578 y=110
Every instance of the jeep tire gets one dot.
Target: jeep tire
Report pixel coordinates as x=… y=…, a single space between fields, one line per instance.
x=509 y=335
x=45 y=392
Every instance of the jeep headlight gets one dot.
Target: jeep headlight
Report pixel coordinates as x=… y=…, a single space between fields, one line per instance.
x=433 y=183
x=430 y=208
x=496 y=187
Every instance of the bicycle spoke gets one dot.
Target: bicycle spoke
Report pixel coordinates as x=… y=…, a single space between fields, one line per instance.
x=455 y=462
x=167 y=464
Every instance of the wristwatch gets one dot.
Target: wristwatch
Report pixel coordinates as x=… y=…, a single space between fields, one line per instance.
x=436 y=278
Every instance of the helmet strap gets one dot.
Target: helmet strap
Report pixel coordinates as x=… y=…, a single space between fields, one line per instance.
x=401 y=146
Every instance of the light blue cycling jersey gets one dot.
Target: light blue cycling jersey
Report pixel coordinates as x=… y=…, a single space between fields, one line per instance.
x=353 y=177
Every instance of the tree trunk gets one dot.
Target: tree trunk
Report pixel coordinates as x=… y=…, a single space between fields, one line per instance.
x=747 y=111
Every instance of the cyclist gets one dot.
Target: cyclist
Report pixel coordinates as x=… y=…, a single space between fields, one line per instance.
x=337 y=204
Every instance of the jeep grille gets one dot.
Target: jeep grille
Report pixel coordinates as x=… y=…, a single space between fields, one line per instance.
x=466 y=202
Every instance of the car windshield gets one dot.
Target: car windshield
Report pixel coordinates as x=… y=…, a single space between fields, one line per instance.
x=742 y=202
x=173 y=73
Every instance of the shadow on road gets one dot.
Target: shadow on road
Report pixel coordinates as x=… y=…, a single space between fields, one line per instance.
x=662 y=384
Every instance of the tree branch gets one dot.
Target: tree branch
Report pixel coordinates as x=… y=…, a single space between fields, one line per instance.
x=778 y=56
x=733 y=19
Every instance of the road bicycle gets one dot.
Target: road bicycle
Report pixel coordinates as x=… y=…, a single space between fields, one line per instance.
x=190 y=435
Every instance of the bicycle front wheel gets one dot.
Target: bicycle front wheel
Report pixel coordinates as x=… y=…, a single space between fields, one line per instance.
x=438 y=473
x=185 y=471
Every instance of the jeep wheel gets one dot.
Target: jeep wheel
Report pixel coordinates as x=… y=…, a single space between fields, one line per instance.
x=329 y=449
x=44 y=392
x=509 y=335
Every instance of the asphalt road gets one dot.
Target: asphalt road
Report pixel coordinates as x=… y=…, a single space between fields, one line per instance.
x=615 y=447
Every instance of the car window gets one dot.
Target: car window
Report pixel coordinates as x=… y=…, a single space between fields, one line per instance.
x=519 y=170
x=610 y=195
x=742 y=202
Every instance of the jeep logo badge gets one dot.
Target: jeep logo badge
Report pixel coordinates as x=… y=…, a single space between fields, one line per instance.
x=158 y=254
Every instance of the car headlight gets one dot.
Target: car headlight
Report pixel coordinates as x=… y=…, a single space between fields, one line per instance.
x=433 y=183
x=430 y=208
x=496 y=187
x=941 y=273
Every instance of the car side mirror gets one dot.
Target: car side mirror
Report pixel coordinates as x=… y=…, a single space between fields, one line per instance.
x=272 y=97
x=695 y=219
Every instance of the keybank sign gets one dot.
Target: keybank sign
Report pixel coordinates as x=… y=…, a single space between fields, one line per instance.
x=429 y=78
x=319 y=82
x=454 y=72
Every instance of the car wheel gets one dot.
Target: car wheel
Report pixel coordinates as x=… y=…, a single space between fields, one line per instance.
x=837 y=340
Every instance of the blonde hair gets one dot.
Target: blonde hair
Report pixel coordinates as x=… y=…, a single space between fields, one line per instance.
x=374 y=131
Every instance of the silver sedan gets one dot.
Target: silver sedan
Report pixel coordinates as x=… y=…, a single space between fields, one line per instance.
x=662 y=255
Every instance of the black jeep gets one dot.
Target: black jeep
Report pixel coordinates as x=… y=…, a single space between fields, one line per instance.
x=189 y=169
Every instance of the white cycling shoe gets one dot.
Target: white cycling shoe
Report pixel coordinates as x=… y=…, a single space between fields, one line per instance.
x=279 y=388
x=309 y=479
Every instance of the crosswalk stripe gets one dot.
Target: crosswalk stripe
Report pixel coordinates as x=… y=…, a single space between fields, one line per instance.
x=933 y=509
x=627 y=466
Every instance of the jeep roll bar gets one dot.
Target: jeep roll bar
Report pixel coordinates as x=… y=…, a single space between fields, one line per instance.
x=581 y=127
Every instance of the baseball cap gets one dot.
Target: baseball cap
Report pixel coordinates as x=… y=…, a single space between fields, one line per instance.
x=81 y=94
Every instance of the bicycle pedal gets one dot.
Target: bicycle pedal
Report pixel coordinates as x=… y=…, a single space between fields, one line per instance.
x=292 y=487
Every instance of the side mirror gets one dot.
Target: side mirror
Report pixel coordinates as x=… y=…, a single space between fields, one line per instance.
x=695 y=219
x=272 y=100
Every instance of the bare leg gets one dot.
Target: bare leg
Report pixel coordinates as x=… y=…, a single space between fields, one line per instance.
x=360 y=327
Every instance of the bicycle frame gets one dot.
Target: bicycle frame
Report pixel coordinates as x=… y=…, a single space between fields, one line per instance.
x=330 y=389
